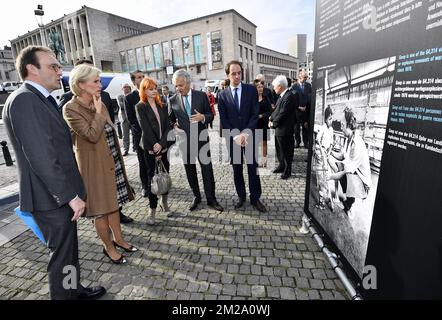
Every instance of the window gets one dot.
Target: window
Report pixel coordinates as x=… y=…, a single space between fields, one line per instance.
x=197 y=48
x=175 y=52
x=148 y=58
x=123 y=59
x=157 y=55
x=240 y=51
x=247 y=53
x=186 y=47
x=166 y=54
x=251 y=54
x=131 y=60
x=198 y=69
x=140 y=59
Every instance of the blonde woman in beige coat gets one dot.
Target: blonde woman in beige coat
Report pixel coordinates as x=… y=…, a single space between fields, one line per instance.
x=99 y=159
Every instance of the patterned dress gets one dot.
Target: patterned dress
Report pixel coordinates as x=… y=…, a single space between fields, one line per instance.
x=122 y=194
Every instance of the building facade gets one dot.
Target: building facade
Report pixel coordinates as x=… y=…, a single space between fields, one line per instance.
x=7 y=67
x=85 y=34
x=203 y=46
x=298 y=48
x=272 y=64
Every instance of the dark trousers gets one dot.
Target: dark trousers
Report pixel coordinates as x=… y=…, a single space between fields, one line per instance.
x=60 y=234
x=151 y=167
x=301 y=130
x=284 y=152
x=142 y=165
x=252 y=170
x=208 y=178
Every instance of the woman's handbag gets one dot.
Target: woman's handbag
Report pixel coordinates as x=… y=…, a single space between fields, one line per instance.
x=161 y=181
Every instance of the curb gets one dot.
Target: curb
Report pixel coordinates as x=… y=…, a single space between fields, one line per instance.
x=9 y=199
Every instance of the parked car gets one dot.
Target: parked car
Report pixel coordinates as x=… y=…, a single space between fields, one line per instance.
x=10 y=86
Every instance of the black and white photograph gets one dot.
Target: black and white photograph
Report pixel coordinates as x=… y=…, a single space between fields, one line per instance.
x=351 y=113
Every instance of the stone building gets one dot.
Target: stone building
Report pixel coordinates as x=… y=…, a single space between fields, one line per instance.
x=202 y=45
x=272 y=64
x=86 y=33
x=7 y=67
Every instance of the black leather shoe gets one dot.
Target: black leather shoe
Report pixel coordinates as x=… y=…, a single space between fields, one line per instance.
x=195 y=203
x=259 y=206
x=240 y=203
x=92 y=293
x=131 y=249
x=215 y=205
x=122 y=259
x=278 y=170
x=285 y=176
x=145 y=193
x=125 y=219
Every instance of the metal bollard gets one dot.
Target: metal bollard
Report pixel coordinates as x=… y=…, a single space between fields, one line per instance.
x=6 y=154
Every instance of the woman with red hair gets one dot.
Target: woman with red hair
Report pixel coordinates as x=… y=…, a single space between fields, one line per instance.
x=154 y=122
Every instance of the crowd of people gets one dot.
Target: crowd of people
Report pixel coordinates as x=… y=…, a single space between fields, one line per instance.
x=82 y=172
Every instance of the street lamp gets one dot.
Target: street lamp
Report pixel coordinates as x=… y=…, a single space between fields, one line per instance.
x=39 y=13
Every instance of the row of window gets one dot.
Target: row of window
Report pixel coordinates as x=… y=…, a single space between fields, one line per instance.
x=245 y=36
x=266 y=59
x=244 y=53
x=128 y=30
x=159 y=55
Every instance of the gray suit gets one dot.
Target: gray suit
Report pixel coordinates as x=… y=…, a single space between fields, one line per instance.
x=121 y=100
x=49 y=177
x=191 y=150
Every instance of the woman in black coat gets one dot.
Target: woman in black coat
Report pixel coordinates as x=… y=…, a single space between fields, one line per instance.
x=265 y=110
x=153 y=118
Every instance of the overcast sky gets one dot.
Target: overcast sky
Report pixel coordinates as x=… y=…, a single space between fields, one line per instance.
x=277 y=20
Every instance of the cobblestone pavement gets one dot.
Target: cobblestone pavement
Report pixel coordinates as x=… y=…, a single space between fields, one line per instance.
x=203 y=255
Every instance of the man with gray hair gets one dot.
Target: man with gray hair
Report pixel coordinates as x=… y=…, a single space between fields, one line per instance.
x=191 y=112
x=283 y=120
x=127 y=89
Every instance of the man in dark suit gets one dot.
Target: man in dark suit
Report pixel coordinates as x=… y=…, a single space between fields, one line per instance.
x=105 y=97
x=283 y=120
x=51 y=187
x=165 y=97
x=239 y=112
x=131 y=101
x=190 y=113
x=304 y=90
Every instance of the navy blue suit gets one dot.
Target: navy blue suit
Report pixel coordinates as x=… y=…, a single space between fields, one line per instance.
x=245 y=120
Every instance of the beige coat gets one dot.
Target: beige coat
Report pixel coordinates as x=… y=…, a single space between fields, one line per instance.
x=94 y=157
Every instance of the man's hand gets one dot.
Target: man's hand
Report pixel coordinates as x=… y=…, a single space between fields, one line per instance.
x=306 y=125
x=77 y=205
x=270 y=125
x=241 y=139
x=157 y=148
x=198 y=117
x=302 y=109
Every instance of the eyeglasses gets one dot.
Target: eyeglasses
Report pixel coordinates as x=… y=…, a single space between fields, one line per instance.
x=56 y=67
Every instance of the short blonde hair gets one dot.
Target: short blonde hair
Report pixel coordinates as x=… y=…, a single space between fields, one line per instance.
x=79 y=74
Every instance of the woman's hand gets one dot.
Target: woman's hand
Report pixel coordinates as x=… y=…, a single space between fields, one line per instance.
x=157 y=148
x=158 y=158
x=98 y=104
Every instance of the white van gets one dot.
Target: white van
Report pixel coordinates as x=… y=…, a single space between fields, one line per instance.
x=214 y=85
x=112 y=84
x=10 y=86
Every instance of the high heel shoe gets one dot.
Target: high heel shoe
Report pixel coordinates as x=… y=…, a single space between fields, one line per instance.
x=122 y=259
x=130 y=249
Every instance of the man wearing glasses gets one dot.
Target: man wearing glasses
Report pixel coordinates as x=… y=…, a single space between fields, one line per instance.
x=51 y=187
x=304 y=89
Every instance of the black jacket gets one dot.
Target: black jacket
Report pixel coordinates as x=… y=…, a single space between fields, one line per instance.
x=284 y=116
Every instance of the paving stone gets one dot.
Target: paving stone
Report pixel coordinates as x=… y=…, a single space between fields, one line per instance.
x=258 y=291
x=287 y=293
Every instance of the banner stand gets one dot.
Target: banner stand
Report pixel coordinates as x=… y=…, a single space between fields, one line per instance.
x=308 y=227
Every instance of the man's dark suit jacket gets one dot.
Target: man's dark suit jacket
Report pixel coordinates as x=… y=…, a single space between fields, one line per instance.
x=247 y=117
x=105 y=98
x=48 y=173
x=305 y=99
x=149 y=125
x=131 y=101
x=284 y=116
x=199 y=103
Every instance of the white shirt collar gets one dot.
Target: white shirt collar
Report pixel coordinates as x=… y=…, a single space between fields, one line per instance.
x=239 y=87
x=283 y=93
x=39 y=87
